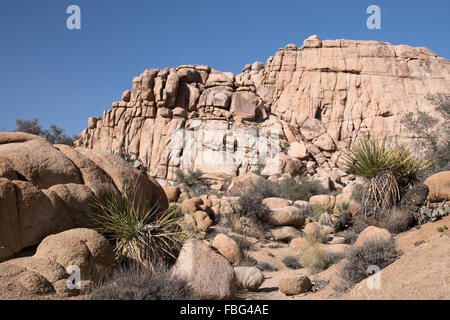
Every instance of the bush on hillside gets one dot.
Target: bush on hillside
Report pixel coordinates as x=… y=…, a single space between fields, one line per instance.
x=359 y=259
x=143 y=285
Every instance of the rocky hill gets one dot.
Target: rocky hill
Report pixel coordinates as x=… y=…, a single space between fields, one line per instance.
x=310 y=102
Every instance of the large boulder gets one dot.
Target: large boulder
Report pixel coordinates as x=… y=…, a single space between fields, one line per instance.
x=287 y=216
x=81 y=247
x=439 y=186
x=46 y=189
x=209 y=274
x=373 y=234
x=227 y=247
x=243 y=183
x=57 y=258
x=285 y=234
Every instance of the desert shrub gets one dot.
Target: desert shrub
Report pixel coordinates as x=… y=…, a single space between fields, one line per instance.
x=357 y=192
x=144 y=236
x=324 y=211
x=313 y=257
x=434 y=140
x=245 y=226
x=54 y=135
x=250 y=204
x=302 y=190
x=358 y=225
x=387 y=171
x=397 y=220
x=342 y=221
x=265 y=266
x=193 y=182
x=292 y=262
x=243 y=243
x=247 y=261
x=342 y=206
x=143 y=285
x=359 y=259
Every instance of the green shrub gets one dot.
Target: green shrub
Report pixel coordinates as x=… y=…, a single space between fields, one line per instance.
x=359 y=259
x=143 y=285
x=144 y=236
x=388 y=172
x=292 y=262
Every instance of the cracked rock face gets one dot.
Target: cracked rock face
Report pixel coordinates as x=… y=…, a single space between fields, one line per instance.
x=320 y=98
x=46 y=189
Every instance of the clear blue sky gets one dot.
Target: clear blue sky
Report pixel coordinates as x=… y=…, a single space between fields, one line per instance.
x=64 y=77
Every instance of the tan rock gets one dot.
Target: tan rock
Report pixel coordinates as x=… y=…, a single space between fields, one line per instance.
x=298 y=243
x=249 y=278
x=244 y=183
x=294 y=285
x=227 y=247
x=312 y=228
x=172 y=193
x=285 y=234
x=203 y=220
x=323 y=199
x=209 y=274
x=298 y=150
x=287 y=216
x=371 y=234
x=276 y=203
x=439 y=186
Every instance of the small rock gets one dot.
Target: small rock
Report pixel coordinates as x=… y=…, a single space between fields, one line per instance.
x=249 y=278
x=294 y=285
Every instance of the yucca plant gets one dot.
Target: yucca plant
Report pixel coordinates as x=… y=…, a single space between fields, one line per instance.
x=388 y=171
x=324 y=211
x=143 y=236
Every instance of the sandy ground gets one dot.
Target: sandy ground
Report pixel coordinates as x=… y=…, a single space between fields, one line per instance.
x=421 y=272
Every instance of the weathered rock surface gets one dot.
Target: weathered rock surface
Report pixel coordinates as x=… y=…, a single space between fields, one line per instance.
x=439 y=186
x=249 y=278
x=311 y=102
x=48 y=271
x=373 y=234
x=294 y=285
x=210 y=275
x=227 y=247
x=46 y=189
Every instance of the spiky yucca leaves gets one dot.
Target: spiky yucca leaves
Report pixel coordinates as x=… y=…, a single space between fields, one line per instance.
x=388 y=171
x=143 y=236
x=324 y=211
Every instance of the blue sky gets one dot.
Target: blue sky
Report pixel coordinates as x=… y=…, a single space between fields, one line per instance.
x=64 y=76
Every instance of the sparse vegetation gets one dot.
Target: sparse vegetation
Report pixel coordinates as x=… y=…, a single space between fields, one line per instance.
x=304 y=189
x=388 y=172
x=143 y=236
x=314 y=258
x=265 y=266
x=193 y=182
x=324 y=211
x=358 y=225
x=377 y=253
x=442 y=228
x=54 y=135
x=292 y=262
x=143 y=285
x=435 y=140
x=397 y=220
